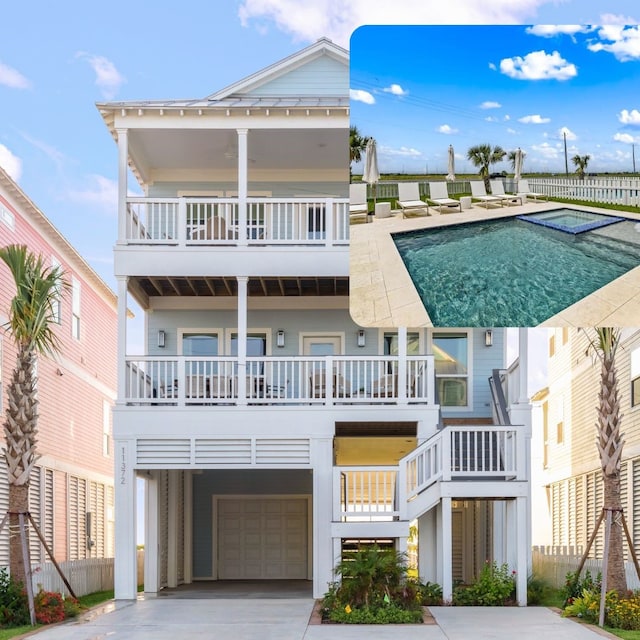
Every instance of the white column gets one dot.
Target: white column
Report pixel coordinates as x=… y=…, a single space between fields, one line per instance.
x=242 y=339
x=447 y=550
x=243 y=188
x=172 y=532
x=427 y=546
x=326 y=550
x=402 y=365
x=123 y=157
x=125 y=561
x=523 y=367
x=151 y=525
x=523 y=546
x=122 y=339
x=188 y=526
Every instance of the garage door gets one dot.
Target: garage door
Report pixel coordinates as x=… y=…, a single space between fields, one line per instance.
x=262 y=538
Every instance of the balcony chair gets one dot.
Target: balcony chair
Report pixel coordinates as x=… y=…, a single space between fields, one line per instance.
x=214 y=229
x=218 y=386
x=439 y=197
x=318 y=387
x=478 y=192
x=524 y=190
x=409 y=197
x=497 y=189
x=387 y=386
x=195 y=386
x=358 y=205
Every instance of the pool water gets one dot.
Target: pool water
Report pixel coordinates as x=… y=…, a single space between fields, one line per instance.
x=570 y=220
x=512 y=273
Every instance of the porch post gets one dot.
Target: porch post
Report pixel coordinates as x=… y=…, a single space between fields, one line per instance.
x=122 y=340
x=447 y=550
x=243 y=177
x=188 y=526
x=523 y=365
x=402 y=365
x=123 y=155
x=242 y=339
x=172 y=529
x=522 y=546
x=125 y=561
x=326 y=549
x=427 y=546
x=151 y=550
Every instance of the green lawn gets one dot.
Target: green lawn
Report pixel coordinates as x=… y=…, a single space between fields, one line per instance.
x=627 y=635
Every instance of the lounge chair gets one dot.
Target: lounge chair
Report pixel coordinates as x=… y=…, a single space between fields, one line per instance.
x=409 y=197
x=478 y=192
x=358 y=205
x=524 y=190
x=439 y=197
x=214 y=229
x=497 y=189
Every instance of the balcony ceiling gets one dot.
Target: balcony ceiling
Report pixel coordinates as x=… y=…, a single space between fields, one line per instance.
x=228 y=286
x=161 y=151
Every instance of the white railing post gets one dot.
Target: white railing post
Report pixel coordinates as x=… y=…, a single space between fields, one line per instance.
x=182 y=382
x=243 y=163
x=337 y=494
x=446 y=454
x=181 y=222
x=401 y=490
x=430 y=372
x=328 y=380
x=403 y=365
x=123 y=155
x=329 y=212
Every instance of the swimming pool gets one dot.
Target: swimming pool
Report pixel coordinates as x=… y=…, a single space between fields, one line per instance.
x=570 y=220
x=508 y=272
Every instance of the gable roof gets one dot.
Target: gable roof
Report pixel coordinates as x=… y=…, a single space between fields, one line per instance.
x=321 y=47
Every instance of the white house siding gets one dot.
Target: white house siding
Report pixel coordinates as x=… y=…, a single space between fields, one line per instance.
x=323 y=76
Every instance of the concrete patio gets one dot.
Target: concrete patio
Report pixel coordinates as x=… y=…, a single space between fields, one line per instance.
x=383 y=295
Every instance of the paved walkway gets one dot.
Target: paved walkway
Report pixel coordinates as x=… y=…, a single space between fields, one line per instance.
x=287 y=619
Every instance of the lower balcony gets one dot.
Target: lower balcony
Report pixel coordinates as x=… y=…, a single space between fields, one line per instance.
x=334 y=380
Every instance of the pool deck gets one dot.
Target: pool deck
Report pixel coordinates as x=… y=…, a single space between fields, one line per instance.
x=382 y=293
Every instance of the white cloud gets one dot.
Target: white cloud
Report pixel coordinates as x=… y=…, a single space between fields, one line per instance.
x=101 y=192
x=562 y=131
x=337 y=20
x=507 y=116
x=534 y=119
x=10 y=163
x=401 y=151
x=538 y=65
x=629 y=117
x=108 y=78
x=490 y=104
x=396 y=90
x=620 y=40
x=546 y=150
x=512 y=131
x=626 y=138
x=492 y=119
x=550 y=30
x=51 y=152
x=360 y=95
x=445 y=128
x=12 y=78
x=492 y=66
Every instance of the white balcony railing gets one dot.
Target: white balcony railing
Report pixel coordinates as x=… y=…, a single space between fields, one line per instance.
x=279 y=381
x=377 y=493
x=217 y=221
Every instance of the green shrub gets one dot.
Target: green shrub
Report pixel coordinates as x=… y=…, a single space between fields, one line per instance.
x=623 y=613
x=14 y=608
x=430 y=593
x=539 y=590
x=574 y=585
x=373 y=588
x=586 y=606
x=495 y=586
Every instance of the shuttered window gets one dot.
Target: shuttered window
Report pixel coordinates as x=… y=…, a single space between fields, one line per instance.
x=96 y=532
x=77 y=519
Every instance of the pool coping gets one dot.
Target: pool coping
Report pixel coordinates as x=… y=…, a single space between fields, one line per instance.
x=382 y=294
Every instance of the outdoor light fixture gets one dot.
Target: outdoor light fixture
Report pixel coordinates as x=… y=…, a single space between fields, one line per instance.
x=361 y=338
x=161 y=338
x=280 y=338
x=488 y=338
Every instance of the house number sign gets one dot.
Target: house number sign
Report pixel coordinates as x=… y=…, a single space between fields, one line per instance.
x=123 y=465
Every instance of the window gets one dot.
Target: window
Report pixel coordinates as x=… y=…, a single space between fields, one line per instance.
x=7 y=217
x=552 y=346
x=198 y=345
x=635 y=391
x=560 y=432
x=565 y=335
x=56 y=310
x=451 y=355
x=75 y=308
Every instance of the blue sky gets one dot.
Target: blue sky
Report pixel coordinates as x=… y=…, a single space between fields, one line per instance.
x=507 y=85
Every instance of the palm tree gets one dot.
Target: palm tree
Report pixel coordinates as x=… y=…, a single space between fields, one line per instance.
x=610 y=443
x=483 y=156
x=511 y=158
x=31 y=315
x=580 y=163
x=357 y=145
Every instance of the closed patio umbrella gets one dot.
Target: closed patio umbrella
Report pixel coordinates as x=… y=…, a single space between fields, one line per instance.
x=517 y=165
x=371 y=174
x=451 y=167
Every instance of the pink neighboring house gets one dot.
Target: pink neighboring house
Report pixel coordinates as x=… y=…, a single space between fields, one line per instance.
x=72 y=490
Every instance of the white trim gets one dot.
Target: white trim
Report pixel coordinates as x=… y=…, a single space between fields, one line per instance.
x=469 y=375
x=189 y=193
x=322 y=334
x=276 y=496
x=207 y=331
x=229 y=331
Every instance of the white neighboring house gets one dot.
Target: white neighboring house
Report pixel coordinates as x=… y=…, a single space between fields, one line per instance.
x=270 y=429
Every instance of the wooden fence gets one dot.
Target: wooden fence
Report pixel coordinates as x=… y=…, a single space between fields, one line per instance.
x=553 y=564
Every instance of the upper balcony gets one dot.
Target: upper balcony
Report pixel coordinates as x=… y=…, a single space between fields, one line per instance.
x=186 y=222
